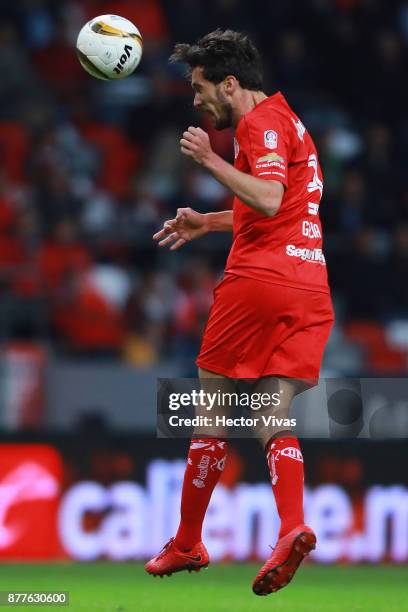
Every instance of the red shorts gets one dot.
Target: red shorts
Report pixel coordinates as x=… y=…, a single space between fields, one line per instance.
x=260 y=329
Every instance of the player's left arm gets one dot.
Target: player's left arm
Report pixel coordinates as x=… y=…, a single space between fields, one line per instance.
x=264 y=196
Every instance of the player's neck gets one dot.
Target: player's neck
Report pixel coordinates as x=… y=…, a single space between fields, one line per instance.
x=246 y=103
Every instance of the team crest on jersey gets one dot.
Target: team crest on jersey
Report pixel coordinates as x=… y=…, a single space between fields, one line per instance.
x=236 y=148
x=271 y=139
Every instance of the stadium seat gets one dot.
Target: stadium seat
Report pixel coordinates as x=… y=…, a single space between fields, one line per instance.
x=120 y=157
x=14 y=144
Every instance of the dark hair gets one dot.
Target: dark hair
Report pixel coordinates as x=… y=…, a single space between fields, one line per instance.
x=222 y=53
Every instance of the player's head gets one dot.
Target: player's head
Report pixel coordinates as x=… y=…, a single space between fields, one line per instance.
x=220 y=63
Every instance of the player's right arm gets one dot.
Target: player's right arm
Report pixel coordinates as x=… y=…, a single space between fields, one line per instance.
x=190 y=224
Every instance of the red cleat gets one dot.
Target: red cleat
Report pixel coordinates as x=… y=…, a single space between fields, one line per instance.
x=288 y=554
x=171 y=559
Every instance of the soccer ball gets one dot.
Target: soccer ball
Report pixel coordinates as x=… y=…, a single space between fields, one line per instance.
x=109 y=47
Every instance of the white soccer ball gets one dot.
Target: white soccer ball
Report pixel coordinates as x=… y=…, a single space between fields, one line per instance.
x=109 y=47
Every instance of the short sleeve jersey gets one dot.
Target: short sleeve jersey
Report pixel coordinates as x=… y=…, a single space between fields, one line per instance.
x=271 y=143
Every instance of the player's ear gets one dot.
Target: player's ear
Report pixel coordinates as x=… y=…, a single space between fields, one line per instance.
x=230 y=84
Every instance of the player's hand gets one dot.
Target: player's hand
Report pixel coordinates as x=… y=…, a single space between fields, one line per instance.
x=187 y=225
x=195 y=143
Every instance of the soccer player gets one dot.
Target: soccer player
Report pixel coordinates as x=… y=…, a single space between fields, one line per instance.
x=272 y=312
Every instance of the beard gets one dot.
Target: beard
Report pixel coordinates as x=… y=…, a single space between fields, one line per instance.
x=224 y=119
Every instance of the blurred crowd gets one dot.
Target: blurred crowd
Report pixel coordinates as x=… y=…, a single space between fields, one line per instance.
x=90 y=169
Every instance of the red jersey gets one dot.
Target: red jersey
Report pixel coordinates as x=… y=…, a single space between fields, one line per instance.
x=271 y=143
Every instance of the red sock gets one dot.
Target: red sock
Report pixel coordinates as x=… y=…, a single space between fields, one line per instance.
x=206 y=459
x=285 y=462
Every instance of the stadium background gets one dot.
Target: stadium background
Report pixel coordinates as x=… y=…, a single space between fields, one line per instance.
x=91 y=312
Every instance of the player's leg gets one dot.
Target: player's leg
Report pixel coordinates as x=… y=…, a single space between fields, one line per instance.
x=285 y=463
x=206 y=460
x=205 y=463
x=283 y=452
